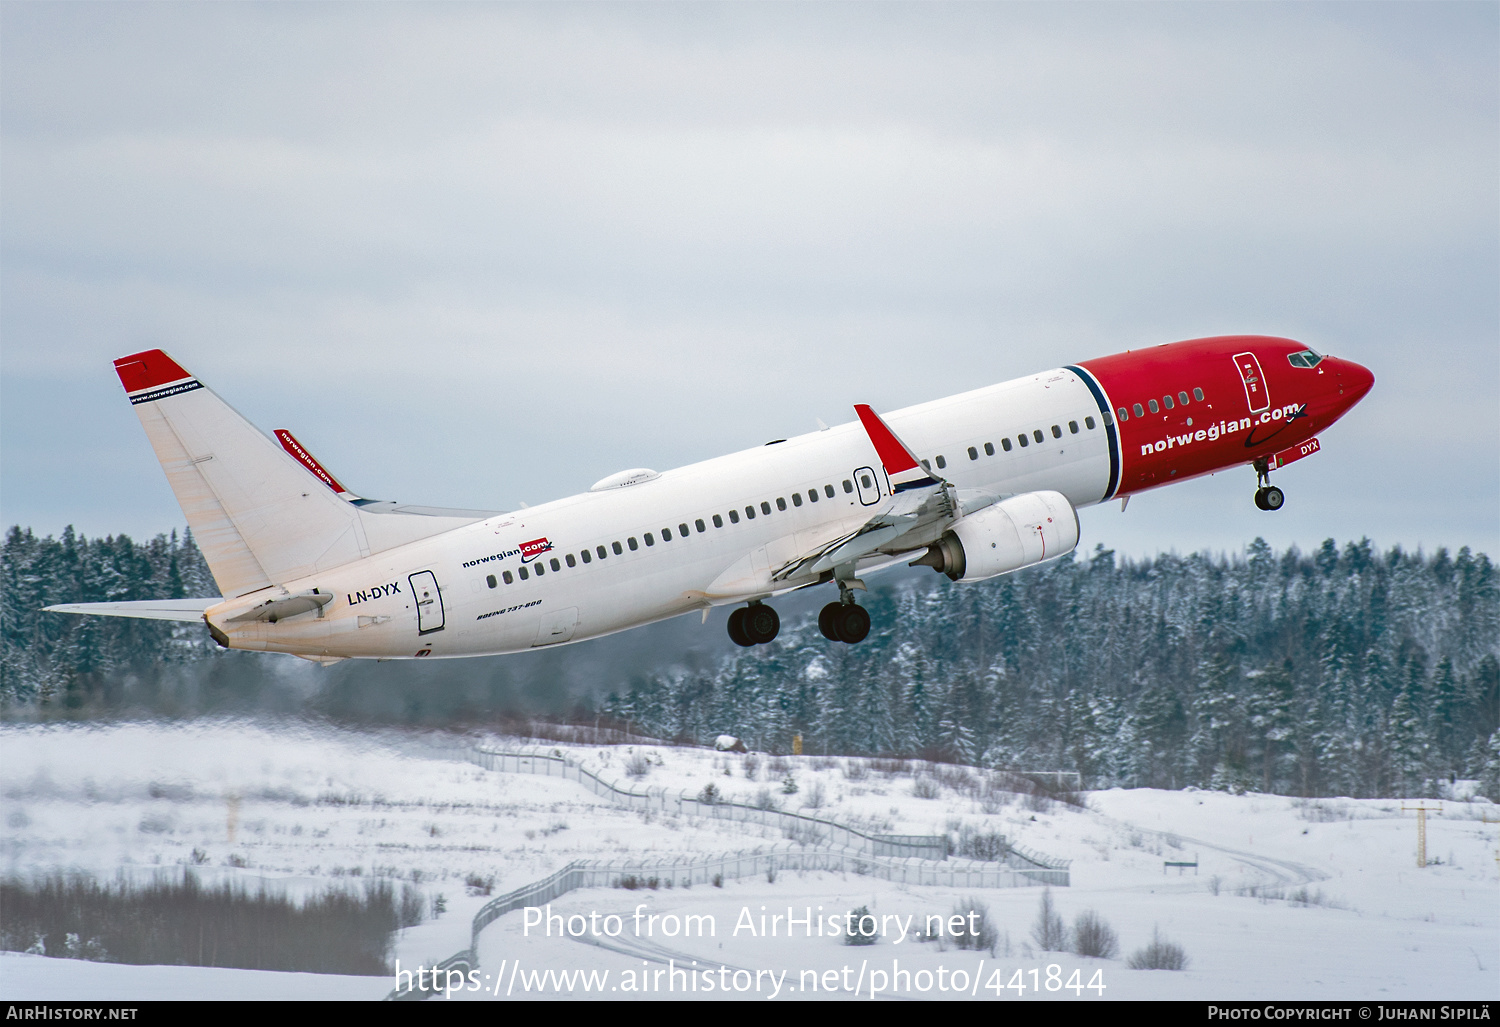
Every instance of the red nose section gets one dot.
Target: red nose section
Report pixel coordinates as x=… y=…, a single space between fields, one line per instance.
x=1355 y=381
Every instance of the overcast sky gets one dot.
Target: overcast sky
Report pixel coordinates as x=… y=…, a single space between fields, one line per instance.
x=478 y=255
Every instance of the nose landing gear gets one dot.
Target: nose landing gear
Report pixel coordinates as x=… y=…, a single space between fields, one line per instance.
x=755 y=624
x=1267 y=496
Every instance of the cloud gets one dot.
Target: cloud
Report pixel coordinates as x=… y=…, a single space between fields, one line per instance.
x=487 y=254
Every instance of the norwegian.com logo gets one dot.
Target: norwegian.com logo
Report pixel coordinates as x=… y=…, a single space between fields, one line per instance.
x=535 y=548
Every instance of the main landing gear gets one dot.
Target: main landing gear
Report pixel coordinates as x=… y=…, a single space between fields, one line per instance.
x=1267 y=496
x=845 y=620
x=755 y=624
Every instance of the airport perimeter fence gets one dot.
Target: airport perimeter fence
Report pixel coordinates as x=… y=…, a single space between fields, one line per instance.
x=801 y=827
x=822 y=845
x=684 y=872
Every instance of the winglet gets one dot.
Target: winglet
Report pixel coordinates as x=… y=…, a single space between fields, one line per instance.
x=901 y=465
x=300 y=454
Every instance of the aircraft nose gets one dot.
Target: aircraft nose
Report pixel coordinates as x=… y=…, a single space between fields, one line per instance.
x=1355 y=381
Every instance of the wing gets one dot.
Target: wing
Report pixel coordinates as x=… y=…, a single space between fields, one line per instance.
x=916 y=512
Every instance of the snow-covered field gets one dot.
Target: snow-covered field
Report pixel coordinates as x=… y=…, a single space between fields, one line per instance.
x=1292 y=898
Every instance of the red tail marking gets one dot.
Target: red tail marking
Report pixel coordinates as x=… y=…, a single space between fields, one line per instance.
x=893 y=453
x=303 y=457
x=148 y=370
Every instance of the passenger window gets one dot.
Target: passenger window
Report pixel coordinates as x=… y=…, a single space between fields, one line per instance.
x=539 y=569
x=749 y=513
x=555 y=565
x=780 y=505
x=864 y=479
x=666 y=534
x=1005 y=444
x=797 y=498
x=682 y=529
x=603 y=553
x=1198 y=395
x=734 y=517
x=941 y=462
x=812 y=495
x=586 y=557
x=828 y=491
x=572 y=561
x=490 y=580
x=1152 y=404
x=1182 y=398
x=1109 y=418
x=505 y=576
x=925 y=466
x=1167 y=401
x=848 y=485
x=1056 y=432
x=1124 y=416
x=718 y=521
x=699 y=525
x=650 y=541
x=616 y=547
x=989 y=449
x=1088 y=422
x=1072 y=427
x=1023 y=440
x=1138 y=411
x=1036 y=433
x=973 y=453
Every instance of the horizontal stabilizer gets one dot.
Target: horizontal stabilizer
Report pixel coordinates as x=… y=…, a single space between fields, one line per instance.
x=148 y=609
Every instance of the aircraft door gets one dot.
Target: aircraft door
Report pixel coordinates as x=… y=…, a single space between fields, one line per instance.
x=1256 y=394
x=429 y=598
x=868 y=485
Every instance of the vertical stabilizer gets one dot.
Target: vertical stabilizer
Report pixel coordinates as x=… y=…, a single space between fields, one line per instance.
x=259 y=518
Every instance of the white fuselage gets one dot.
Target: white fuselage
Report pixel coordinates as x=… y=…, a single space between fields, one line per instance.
x=461 y=593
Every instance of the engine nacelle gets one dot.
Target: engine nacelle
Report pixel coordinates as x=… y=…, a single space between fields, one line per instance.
x=1020 y=532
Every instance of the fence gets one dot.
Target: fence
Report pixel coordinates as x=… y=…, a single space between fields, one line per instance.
x=688 y=871
x=810 y=830
x=905 y=859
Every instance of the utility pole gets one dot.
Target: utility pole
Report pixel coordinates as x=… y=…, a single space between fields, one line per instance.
x=1422 y=812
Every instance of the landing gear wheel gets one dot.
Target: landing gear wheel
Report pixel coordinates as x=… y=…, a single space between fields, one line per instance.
x=737 y=628
x=1269 y=498
x=826 y=621
x=851 y=622
x=759 y=623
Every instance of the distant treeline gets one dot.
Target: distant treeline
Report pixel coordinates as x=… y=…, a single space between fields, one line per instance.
x=1344 y=671
x=1341 y=672
x=180 y=922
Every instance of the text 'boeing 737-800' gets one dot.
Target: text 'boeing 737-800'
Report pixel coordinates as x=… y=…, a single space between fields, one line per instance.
x=974 y=486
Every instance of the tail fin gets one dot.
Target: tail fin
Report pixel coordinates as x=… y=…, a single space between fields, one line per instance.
x=258 y=517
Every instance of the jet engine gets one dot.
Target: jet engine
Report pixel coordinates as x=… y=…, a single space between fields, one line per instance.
x=1020 y=532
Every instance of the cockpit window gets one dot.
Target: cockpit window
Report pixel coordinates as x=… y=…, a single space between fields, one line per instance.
x=1307 y=358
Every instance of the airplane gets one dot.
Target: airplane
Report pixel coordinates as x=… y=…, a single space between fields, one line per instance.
x=974 y=486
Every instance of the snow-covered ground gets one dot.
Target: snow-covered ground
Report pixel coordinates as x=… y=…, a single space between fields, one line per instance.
x=1292 y=898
